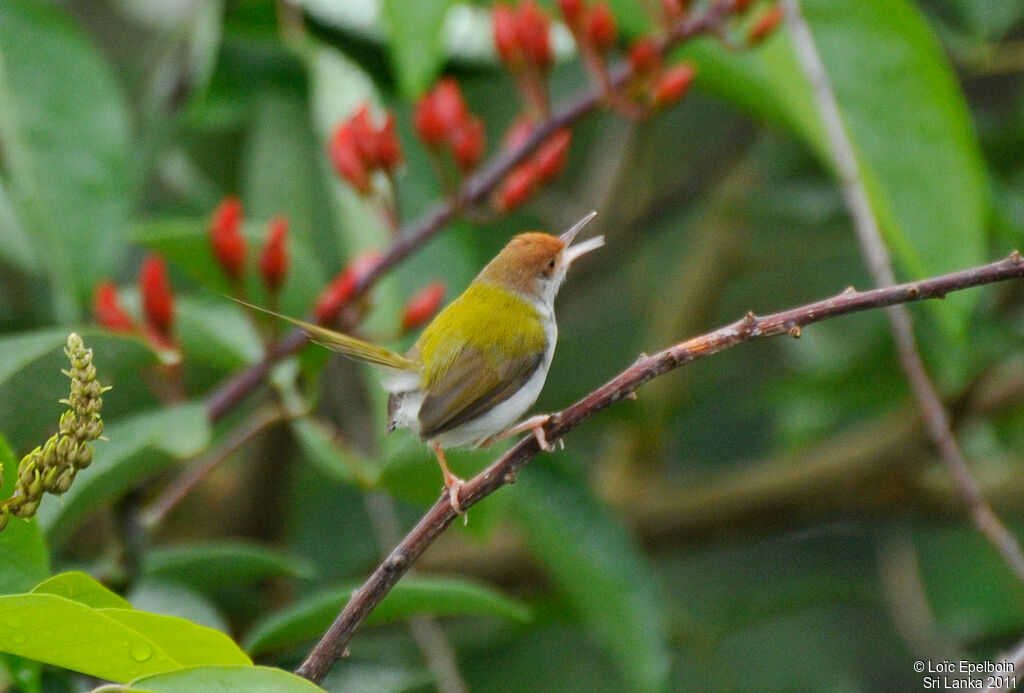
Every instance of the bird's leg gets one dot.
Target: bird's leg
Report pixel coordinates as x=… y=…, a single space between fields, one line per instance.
x=451 y=482
x=535 y=424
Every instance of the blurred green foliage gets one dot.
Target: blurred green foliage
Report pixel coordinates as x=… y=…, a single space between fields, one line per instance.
x=772 y=518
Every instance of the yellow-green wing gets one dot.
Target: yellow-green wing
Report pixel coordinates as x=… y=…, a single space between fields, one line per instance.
x=344 y=344
x=470 y=387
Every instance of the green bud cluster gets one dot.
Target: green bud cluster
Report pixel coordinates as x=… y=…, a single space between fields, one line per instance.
x=52 y=467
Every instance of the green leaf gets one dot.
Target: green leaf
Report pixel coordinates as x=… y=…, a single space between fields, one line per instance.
x=907 y=119
x=226 y=679
x=23 y=558
x=316 y=440
x=416 y=41
x=64 y=125
x=215 y=565
x=137 y=447
x=118 y=644
x=81 y=588
x=410 y=597
x=590 y=555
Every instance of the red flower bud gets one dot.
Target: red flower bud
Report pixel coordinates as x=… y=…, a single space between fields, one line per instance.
x=551 y=156
x=674 y=84
x=643 y=56
x=157 y=299
x=468 y=144
x=673 y=9
x=107 y=310
x=506 y=36
x=341 y=288
x=364 y=135
x=226 y=237
x=388 y=154
x=534 y=35
x=765 y=25
x=274 y=260
x=449 y=105
x=572 y=13
x=427 y=123
x=422 y=306
x=517 y=188
x=601 y=27
x=347 y=158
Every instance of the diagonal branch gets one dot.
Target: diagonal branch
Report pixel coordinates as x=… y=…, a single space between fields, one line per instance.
x=474 y=190
x=879 y=263
x=333 y=644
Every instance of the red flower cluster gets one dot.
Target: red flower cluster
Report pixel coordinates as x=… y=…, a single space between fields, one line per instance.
x=594 y=26
x=522 y=36
x=229 y=247
x=652 y=81
x=541 y=168
x=358 y=148
x=443 y=119
x=157 y=305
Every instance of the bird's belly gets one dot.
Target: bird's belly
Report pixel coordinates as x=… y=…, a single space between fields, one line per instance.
x=404 y=410
x=499 y=418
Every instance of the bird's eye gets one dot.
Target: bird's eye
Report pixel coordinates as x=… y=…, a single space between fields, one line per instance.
x=551 y=263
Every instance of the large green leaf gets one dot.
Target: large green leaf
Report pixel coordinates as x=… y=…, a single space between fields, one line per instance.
x=225 y=679
x=416 y=40
x=599 y=567
x=23 y=558
x=114 y=643
x=64 y=125
x=137 y=447
x=412 y=596
x=907 y=119
x=214 y=565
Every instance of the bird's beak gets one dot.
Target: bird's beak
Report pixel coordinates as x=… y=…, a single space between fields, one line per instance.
x=572 y=252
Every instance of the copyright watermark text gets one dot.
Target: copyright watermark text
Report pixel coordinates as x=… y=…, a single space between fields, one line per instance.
x=965 y=675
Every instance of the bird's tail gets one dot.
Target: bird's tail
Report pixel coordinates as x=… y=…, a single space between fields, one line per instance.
x=344 y=344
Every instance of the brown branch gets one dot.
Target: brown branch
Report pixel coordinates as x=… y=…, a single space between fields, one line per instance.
x=333 y=643
x=475 y=190
x=879 y=263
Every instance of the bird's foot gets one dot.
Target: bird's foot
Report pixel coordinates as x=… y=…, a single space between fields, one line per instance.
x=534 y=424
x=454 y=485
x=451 y=482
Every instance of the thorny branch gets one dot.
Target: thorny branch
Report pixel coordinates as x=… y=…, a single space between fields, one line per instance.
x=474 y=190
x=879 y=263
x=333 y=644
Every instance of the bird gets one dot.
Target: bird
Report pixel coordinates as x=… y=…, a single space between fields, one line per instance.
x=481 y=363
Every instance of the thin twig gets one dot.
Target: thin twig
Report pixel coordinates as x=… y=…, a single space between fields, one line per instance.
x=426 y=631
x=474 y=190
x=880 y=266
x=154 y=514
x=333 y=643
